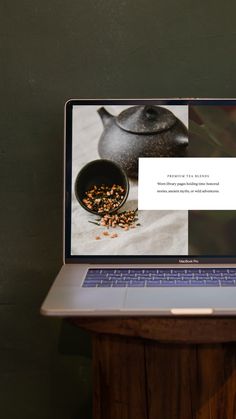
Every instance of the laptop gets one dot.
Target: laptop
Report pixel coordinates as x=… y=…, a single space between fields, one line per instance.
x=149 y=209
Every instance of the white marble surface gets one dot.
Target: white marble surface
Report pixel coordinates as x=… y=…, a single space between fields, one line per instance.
x=160 y=233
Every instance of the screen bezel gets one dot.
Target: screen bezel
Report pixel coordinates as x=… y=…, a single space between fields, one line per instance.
x=131 y=259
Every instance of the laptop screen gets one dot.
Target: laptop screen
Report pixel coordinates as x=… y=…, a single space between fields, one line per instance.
x=151 y=179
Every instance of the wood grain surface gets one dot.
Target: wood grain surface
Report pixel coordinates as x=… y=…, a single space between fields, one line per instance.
x=165 y=329
x=163 y=368
x=148 y=380
x=119 y=379
x=191 y=381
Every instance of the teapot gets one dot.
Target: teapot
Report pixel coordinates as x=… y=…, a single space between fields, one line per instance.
x=141 y=131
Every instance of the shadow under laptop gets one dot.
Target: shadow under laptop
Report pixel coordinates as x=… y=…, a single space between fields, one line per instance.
x=71 y=389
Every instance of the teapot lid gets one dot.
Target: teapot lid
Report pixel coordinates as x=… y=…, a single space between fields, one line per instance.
x=146 y=119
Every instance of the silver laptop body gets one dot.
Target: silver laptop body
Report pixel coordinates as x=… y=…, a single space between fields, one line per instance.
x=169 y=233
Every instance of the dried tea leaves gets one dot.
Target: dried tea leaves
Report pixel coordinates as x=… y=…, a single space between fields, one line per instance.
x=125 y=220
x=103 y=198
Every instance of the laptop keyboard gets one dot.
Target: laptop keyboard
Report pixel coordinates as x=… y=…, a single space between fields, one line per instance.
x=165 y=277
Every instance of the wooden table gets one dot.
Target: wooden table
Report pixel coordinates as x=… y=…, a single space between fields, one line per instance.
x=162 y=367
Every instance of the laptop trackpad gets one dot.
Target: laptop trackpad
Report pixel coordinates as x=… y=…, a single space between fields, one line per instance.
x=163 y=300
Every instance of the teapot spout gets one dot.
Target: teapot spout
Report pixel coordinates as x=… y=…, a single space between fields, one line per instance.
x=105 y=115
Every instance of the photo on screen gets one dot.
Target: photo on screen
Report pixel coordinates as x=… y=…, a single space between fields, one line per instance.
x=153 y=180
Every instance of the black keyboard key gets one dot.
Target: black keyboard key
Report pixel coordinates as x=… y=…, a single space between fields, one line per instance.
x=136 y=284
x=198 y=283
x=89 y=285
x=167 y=282
x=182 y=283
x=227 y=283
x=212 y=283
x=153 y=284
x=104 y=285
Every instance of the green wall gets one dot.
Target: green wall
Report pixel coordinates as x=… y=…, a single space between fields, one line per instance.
x=52 y=51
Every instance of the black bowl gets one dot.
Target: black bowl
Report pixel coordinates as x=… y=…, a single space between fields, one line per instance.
x=98 y=172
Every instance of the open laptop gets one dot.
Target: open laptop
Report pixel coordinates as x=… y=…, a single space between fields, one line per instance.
x=149 y=209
